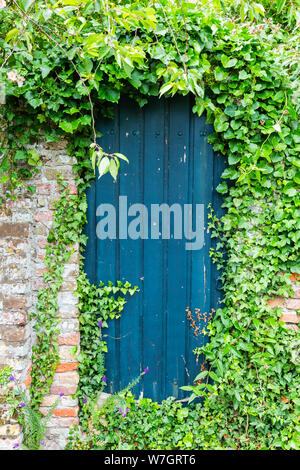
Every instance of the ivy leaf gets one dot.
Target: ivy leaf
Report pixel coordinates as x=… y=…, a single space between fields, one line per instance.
x=220 y=74
x=33 y=157
x=228 y=62
x=66 y=126
x=222 y=188
x=220 y=123
x=20 y=155
x=290 y=190
x=4 y=165
x=45 y=69
x=233 y=158
x=32 y=189
x=243 y=75
x=4 y=178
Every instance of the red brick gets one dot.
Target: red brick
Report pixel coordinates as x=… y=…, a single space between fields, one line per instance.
x=292 y=327
x=43 y=188
x=290 y=318
x=67 y=422
x=66 y=378
x=293 y=304
x=276 y=302
x=14 y=230
x=12 y=334
x=13 y=318
x=65 y=389
x=296 y=292
x=67 y=367
x=69 y=339
x=37 y=284
x=72 y=188
x=41 y=271
x=27 y=382
x=43 y=216
x=18 y=203
x=14 y=302
x=69 y=286
x=66 y=412
x=294 y=277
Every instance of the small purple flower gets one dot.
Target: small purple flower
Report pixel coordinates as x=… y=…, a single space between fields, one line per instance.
x=16 y=445
x=99 y=323
x=127 y=409
x=11 y=378
x=104 y=379
x=146 y=370
x=61 y=394
x=42 y=443
x=22 y=404
x=84 y=400
x=124 y=415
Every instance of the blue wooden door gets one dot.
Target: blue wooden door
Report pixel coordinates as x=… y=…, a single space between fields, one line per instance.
x=172 y=163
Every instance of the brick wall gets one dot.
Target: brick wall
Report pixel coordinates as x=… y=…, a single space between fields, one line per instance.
x=23 y=236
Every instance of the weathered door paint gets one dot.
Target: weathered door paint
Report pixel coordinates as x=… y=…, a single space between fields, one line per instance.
x=170 y=162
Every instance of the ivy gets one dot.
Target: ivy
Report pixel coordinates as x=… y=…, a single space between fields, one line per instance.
x=63 y=63
x=97 y=305
x=65 y=232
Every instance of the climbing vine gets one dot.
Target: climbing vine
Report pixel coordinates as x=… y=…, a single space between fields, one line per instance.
x=63 y=62
x=98 y=305
x=65 y=232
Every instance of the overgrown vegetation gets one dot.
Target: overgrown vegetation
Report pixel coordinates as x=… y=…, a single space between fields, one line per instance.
x=98 y=305
x=145 y=425
x=34 y=423
x=72 y=59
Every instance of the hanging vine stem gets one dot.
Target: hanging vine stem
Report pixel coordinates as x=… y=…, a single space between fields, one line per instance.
x=175 y=41
x=186 y=34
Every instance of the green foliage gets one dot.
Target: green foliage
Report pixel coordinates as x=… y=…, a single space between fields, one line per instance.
x=75 y=439
x=105 y=162
x=77 y=59
x=97 y=305
x=142 y=424
x=5 y=373
x=116 y=401
x=34 y=423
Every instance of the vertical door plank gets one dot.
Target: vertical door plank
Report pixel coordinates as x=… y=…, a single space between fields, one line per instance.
x=108 y=250
x=178 y=166
x=153 y=283
x=131 y=251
